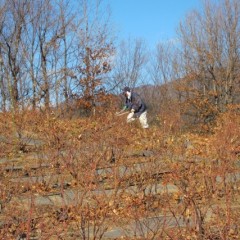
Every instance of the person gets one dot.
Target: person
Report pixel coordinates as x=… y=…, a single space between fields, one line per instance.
x=137 y=107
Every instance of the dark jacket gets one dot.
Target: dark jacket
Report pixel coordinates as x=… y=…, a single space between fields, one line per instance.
x=136 y=103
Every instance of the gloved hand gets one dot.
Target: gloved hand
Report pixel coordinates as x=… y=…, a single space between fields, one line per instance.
x=130 y=117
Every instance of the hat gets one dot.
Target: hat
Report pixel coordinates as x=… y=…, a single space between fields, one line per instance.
x=126 y=89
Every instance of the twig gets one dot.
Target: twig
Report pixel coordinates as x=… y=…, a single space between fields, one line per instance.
x=120 y=114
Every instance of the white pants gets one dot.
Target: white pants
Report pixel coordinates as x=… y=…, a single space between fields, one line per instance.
x=142 y=119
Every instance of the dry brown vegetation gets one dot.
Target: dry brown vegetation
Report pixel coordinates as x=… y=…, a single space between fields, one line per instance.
x=71 y=169
x=98 y=178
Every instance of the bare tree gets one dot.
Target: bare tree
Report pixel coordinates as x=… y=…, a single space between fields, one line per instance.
x=94 y=49
x=47 y=44
x=129 y=64
x=162 y=64
x=66 y=20
x=210 y=50
x=31 y=51
x=12 y=22
x=49 y=34
x=3 y=87
x=162 y=69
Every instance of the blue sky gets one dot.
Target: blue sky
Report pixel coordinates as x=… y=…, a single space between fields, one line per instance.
x=152 y=20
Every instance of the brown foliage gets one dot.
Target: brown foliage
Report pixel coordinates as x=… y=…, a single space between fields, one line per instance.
x=88 y=178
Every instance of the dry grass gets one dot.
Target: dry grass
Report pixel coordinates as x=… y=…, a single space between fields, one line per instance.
x=98 y=178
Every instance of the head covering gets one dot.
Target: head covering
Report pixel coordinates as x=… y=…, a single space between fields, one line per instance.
x=126 y=89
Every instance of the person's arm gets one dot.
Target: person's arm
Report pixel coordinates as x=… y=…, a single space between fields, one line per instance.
x=136 y=103
x=124 y=108
x=127 y=106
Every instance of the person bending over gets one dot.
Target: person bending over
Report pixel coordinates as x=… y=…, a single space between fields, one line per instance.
x=136 y=106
